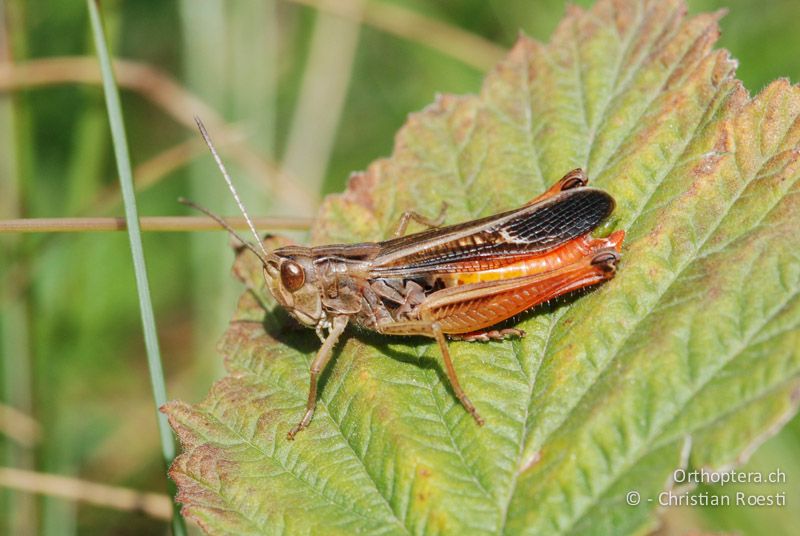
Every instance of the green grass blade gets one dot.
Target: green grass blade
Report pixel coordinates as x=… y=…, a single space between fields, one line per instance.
x=134 y=233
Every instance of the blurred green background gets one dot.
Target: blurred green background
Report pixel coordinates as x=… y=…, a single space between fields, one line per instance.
x=310 y=96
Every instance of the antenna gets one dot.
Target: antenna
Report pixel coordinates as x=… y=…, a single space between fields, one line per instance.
x=224 y=224
x=232 y=188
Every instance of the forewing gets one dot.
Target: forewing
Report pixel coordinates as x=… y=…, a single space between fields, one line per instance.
x=497 y=240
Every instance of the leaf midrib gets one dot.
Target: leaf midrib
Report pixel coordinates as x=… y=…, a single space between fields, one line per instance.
x=506 y=504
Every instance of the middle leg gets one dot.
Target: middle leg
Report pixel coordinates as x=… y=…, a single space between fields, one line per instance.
x=408 y=215
x=451 y=375
x=434 y=330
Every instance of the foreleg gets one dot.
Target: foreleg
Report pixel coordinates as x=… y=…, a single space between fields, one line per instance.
x=317 y=366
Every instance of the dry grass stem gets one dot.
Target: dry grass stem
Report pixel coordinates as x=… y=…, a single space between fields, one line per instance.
x=151 y=223
x=155 y=505
x=19 y=426
x=467 y=47
x=174 y=99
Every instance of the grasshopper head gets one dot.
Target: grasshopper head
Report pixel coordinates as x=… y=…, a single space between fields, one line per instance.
x=289 y=271
x=291 y=279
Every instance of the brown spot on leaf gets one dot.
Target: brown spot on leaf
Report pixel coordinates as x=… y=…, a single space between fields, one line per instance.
x=707 y=166
x=529 y=462
x=360 y=187
x=674 y=99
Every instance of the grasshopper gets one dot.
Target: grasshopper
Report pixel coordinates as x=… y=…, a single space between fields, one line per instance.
x=457 y=281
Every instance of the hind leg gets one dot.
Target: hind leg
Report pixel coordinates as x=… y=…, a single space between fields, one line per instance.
x=574 y=179
x=488 y=335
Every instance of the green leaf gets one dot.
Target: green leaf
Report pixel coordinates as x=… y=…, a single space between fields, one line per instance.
x=689 y=357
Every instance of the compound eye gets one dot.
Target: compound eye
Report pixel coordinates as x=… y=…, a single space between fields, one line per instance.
x=292 y=276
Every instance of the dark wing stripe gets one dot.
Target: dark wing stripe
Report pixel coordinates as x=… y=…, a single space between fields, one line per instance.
x=555 y=223
x=499 y=239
